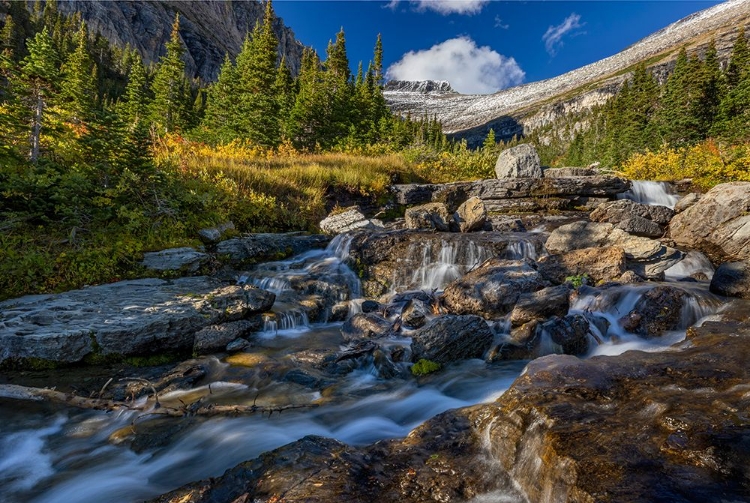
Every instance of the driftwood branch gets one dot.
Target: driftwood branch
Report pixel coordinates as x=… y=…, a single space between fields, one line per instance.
x=198 y=408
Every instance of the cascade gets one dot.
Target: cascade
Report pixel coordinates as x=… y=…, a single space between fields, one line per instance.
x=655 y=193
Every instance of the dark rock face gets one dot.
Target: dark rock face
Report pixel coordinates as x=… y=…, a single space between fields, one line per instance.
x=718 y=224
x=616 y=211
x=657 y=311
x=732 y=279
x=218 y=337
x=415 y=313
x=451 y=338
x=551 y=301
x=266 y=246
x=493 y=289
x=570 y=332
x=208 y=29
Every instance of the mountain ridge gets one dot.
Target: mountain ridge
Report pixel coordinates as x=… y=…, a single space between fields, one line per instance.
x=521 y=109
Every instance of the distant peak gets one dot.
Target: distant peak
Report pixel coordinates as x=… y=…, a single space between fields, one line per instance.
x=419 y=86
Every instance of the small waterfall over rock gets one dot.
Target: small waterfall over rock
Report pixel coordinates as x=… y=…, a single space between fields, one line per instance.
x=439 y=264
x=655 y=193
x=521 y=249
x=694 y=265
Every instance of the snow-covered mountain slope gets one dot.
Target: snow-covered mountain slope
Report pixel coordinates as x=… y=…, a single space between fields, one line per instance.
x=528 y=106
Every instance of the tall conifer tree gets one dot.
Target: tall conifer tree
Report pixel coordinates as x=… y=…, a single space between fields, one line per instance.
x=168 y=109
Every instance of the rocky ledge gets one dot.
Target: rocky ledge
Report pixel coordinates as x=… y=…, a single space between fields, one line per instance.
x=667 y=426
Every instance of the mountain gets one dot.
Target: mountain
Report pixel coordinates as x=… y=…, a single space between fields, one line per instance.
x=522 y=109
x=208 y=29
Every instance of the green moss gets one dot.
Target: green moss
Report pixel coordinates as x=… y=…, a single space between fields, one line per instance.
x=152 y=360
x=29 y=364
x=578 y=280
x=424 y=367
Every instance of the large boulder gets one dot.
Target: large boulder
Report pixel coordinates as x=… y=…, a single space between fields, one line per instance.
x=571 y=333
x=349 y=220
x=521 y=161
x=732 y=279
x=451 y=338
x=493 y=289
x=366 y=326
x=218 y=337
x=597 y=264
x=253 y=248
x=471 y=215
x=433 y=216
x=718 y=224
x=175 y=259
x=615 y=212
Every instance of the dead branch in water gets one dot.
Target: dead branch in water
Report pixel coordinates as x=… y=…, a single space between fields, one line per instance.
x=198 y=408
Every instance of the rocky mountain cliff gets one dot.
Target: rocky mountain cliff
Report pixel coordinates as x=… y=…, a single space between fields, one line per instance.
x=524 y=108
x=208 y=29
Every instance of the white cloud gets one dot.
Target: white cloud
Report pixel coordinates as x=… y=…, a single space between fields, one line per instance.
x=553 y=36
x=468 y=68
x=446 y=7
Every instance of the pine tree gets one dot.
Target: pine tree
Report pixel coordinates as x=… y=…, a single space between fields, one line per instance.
x=220 y=114
x=133 y=111
x=308 y=114
x=339 y=88
x=677 y=122
x=168 y=108
x=40 y=75
x=489 y=141
x=709 y=93
x=257 y=107
x=284 y=92
x=78 y=86
x=377 y=62
x=739 y=60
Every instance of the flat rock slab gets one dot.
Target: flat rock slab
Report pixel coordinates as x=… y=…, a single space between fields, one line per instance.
x=135 y=317
x=261 y=247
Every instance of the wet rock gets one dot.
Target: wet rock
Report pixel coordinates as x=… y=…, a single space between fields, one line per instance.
x=657 y=311
x=213 y=235
x=262 y=247
x=598 y=264
x=451 y=338
x=371 y=306
x=339 y=311
x=629 y=277
x=551 y=301
x=431 y=216
x=238 y=345
x=415 y=313
x=493 y=289
x=569 y=171
x=571 y=333
x=366 y=326
x=217 y=337
x=615 y=212
x=521 y=344
x=471 y=215
x=639 y=226
x=732 y=279
x=175 y=259
x=718 y=224
x=348 y=220
x=137 y=317
x=521 y=161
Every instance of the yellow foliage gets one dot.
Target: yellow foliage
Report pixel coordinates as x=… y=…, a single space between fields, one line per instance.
x=707 y=164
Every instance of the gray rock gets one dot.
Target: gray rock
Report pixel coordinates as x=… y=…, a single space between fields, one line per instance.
x=238 y=345
x=686 y=202
x=657 y=311
x=471 y=215
x=732 y=279
x=521 y=161
x=639 y=226
x=540 y=305
x=432 y=216
x=347 y=221
x=217 y=337
x=215 y=234
x=339 y=311
x=718 y=224
x=629 y=277
x=615 y=212
x=262 y=247
x=175 y=259
x=415 y=313
x=452 y=338
x=598 y=264
x=137 y=317
x=366 y=326
x=569 y=172
x=493 y=289
x=578 y=235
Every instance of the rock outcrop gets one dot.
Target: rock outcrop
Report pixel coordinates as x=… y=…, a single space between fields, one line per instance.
x=732 y=279
x=209 y=30
x=431 y=216
x=135 y=317
x=262 y=247
x=718 y=224
x=183 y=259
x=451 y=338
x=349 y=220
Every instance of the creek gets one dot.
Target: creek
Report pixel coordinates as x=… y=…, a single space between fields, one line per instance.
x=49 y=454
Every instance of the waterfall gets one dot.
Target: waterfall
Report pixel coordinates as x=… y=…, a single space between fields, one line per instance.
x=522 y=249
x=439 y=267
x=654 y=193
x=693 y=264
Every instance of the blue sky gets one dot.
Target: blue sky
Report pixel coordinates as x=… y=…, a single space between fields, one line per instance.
x=481 y=45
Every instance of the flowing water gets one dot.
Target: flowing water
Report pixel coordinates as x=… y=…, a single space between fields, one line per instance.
x=658 y=193
x=52 y=455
